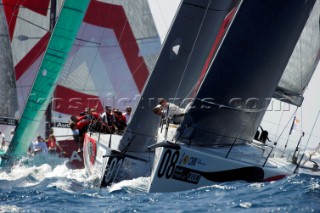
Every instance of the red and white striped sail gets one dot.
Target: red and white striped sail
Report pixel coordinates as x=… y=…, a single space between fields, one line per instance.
x=109 y=63
x=115 y=49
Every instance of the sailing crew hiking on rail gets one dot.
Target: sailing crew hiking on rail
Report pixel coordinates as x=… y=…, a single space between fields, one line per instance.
x=86 y=119
x=111 y=122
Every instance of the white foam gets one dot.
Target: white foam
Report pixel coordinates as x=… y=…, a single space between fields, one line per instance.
x=140 y=184
x=10 y=208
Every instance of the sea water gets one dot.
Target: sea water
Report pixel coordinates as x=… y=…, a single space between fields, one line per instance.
x=34 y=186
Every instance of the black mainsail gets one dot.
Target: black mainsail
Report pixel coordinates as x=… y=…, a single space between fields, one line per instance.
x=245 y=72
x=192 y=37
x=228 y=58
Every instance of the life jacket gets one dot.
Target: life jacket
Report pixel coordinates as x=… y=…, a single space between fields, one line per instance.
x=121 y=118
x=52 y=144
x=96 y=115
x=83 y=121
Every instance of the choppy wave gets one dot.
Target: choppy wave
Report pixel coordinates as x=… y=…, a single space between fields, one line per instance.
x=54 y=188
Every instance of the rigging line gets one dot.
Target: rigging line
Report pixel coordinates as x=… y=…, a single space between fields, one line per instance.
x=92 y=65
x=110 y=46
x=314 y=124
x=304 y=151
x=191 y=90
x=94 y=59
x=40 y=52
x=279 y=124
x=273 y=123
x=140 y=42
x=290 y=131
x=301 y=127
x=79 y=46
x=191 y=52
x=300 y=64
x=88 y=41
x=301 y=85
x=67 y=71
x=16 y=7
x=33 y=24
x=138 y=67
x=152 y=37
x=121 y=34
x=286 y=126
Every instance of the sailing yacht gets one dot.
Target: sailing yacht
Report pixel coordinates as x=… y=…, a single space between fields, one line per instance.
x=109 y=62
x=226 y=58
x=57 y=50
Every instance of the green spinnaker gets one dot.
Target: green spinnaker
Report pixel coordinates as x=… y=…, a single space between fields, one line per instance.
x=58 y=49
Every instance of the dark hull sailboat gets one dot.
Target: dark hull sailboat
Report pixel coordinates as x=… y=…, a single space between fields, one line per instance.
x=187 y=53
x=109 y=61
x=229 y=48
x=214 y=143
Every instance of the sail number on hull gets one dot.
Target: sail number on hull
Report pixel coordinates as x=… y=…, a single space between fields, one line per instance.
x=169 y=168
x=168 y=163
x=112 y=170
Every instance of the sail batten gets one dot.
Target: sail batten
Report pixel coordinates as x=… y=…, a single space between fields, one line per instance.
x=59 y=46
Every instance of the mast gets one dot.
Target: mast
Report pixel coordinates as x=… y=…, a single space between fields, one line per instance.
x=56 y=54
x=53 y=12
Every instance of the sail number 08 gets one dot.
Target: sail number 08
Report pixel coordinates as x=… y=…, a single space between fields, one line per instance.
x=168 y=163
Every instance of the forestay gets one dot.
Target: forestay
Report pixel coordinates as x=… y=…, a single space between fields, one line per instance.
x=302 y=63
x=245 y=72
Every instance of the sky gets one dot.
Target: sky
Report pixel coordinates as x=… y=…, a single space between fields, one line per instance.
x=275 y=121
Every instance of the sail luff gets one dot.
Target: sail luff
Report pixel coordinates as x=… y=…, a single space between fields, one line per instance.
x=57 y=51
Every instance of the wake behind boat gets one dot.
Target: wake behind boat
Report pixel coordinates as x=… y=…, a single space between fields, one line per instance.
x=229 y=59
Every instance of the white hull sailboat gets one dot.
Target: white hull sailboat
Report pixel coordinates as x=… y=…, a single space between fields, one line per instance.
x=220 y=56
x=178 y=166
